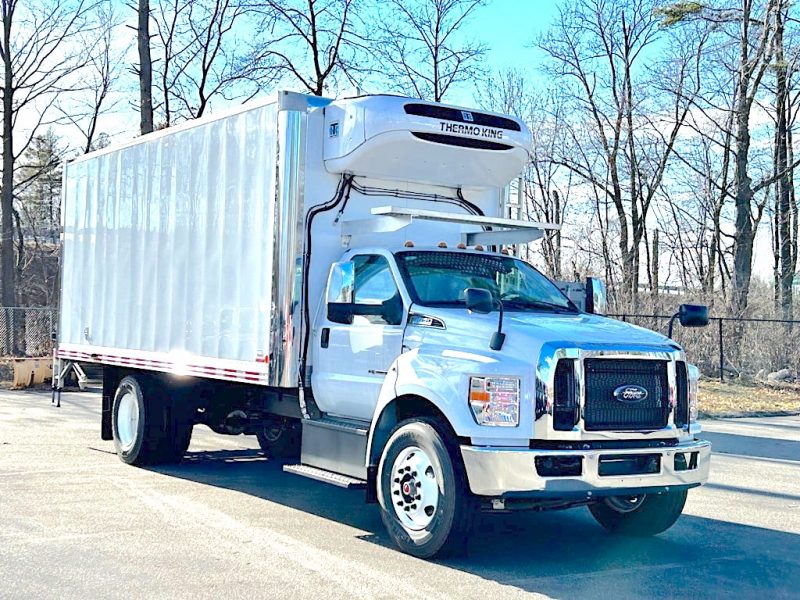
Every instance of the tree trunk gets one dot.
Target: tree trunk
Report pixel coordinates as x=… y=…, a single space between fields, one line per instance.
x=145 y=69
x=7 y=266
x=783 y=232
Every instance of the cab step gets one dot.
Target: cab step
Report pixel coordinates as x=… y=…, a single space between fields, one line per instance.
x=337 y=479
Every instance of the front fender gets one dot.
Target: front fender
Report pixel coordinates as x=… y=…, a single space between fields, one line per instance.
x=441 y=377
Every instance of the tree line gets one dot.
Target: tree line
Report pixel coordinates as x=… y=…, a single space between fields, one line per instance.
x=663 y=131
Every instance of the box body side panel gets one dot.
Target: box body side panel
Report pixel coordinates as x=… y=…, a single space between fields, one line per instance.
x=167 y=243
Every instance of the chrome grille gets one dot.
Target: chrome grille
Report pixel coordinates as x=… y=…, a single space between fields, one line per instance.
x=602 y=411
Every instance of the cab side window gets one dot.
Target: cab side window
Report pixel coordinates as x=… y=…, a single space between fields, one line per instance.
x=375 y=285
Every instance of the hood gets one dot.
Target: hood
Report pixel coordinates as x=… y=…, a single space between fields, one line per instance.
x=581 y=329
x=527 y=332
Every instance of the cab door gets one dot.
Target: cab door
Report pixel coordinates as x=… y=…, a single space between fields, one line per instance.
x=357 y=338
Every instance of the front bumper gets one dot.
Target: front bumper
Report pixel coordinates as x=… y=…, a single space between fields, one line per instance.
x=512 y=472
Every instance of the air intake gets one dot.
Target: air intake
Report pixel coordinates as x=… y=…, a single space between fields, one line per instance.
x=461 y=116
x=565 y=404
x=452 y=140
x=682 y=392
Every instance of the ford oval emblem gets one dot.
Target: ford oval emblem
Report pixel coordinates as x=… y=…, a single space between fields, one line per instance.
x=630 y=394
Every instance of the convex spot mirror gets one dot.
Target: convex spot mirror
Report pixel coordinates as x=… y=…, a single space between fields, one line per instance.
x=479 y=300
x=341 y=283
x=693 y=315
x=596 y=296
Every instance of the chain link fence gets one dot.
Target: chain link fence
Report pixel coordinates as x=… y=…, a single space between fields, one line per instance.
x=730 y=346
x=26 y=332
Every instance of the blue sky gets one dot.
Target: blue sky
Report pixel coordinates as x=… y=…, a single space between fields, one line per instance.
x=509 y=27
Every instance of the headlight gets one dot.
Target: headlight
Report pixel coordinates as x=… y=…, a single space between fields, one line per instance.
x=693 y=374
x=495 y=400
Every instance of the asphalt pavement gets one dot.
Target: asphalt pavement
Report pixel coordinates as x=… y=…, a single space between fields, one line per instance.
x=75 y=522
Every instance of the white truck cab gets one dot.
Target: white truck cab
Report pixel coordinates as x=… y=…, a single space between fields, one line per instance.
x=356 y=310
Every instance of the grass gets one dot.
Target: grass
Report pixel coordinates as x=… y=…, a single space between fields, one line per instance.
x=744 y=399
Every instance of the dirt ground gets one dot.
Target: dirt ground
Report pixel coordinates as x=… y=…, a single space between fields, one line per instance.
x=747 y=399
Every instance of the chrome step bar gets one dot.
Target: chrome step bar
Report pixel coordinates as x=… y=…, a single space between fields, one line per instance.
x=342 y=481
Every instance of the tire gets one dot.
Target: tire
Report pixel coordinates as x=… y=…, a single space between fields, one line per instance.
x=437 y=518
x=147 y=430
x=280 y=438
x=649 y=515
x=134 y=426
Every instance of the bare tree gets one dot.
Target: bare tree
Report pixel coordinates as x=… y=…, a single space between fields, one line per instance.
x=199 y=56
x=38 y=56
x=99 y=76
x=422 y=49
x=543 y=191
x=746 y=35
x=624 y=121
x=311 y=42
x=786 y=208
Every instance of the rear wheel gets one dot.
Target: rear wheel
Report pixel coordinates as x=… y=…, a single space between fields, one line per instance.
x=639 y=516
x=133 y=424
x=146 y=427
x=425 y=501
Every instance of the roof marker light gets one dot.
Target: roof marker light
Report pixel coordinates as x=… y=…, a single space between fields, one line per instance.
x=409 y=244
x=479 y=248
x=442 y=244
x=462 y=246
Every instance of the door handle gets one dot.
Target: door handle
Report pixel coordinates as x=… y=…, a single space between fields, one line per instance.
x=325 y=337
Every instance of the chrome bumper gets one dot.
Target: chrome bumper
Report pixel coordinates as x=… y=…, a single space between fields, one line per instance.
x=493 y=471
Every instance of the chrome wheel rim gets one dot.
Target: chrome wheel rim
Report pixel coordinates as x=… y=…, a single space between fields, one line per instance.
x=625 y=504
x=127 y=420
x=414 y=488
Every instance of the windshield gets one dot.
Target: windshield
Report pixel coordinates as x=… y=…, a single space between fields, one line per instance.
x=436 y=278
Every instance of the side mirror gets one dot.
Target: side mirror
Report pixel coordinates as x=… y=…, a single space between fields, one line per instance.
x=391 y=311
x=479 y=300
x=693 y=315
x=689 y=315
x=596 y=296
x=341 y=312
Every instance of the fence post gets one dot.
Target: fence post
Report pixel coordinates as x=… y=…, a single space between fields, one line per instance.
x=721 y=354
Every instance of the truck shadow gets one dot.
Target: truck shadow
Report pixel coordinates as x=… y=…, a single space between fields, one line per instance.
x=558 y=554
x=753 y=446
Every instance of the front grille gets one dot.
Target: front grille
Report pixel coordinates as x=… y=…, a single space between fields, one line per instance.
x=602 y=411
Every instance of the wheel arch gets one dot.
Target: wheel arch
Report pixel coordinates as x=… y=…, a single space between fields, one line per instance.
x=395 y=411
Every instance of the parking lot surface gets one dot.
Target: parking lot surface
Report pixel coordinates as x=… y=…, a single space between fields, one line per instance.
x=75 y=522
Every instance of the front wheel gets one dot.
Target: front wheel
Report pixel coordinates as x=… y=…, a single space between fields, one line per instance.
x=425 y=502
x=639 y=516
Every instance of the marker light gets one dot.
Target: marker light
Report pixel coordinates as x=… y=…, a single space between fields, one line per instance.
x=494 y=400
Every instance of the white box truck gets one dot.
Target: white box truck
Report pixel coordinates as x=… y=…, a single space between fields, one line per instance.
x=330 y=276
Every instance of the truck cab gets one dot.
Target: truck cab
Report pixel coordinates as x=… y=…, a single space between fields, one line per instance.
x=570 y=409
